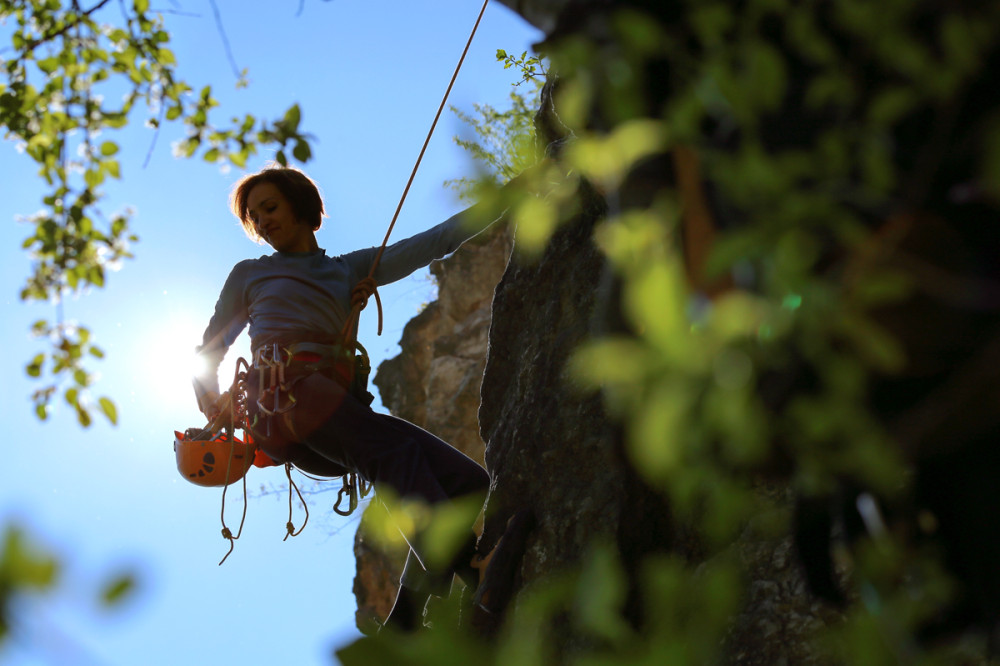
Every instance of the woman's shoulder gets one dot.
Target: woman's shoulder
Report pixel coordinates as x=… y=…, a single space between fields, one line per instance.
x=245 y=266
x=357 y=258
x=279 y=262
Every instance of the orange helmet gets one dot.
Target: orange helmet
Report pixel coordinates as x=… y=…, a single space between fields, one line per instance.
x=204 y=461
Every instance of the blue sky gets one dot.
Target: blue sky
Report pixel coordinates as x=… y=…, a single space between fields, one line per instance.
x=369 y=75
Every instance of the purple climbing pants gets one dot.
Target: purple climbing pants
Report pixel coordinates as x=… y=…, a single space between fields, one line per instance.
x=329 y=431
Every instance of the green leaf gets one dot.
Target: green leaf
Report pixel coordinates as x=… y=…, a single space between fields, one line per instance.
x=892 y=104
x=609 y=360
x=768 y=77
x=166 y=57
x=25 y=565
x=109 y=409
x=301 y=151
x=48 y=65
x=93 y=177
x=109 y=148
x=34 y=368
x=601 y=593
x=83 y=416
x=656 y=446
x=239 y=159
x=292 y=118
x=81 y=377
x=118 y=589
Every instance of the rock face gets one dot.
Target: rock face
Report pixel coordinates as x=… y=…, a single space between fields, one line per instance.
x=553 y=451
x=435 y=380
x=486 y=362
x=550 y=448
x=434 y=383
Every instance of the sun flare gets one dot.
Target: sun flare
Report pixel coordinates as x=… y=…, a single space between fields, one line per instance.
x=174 y=363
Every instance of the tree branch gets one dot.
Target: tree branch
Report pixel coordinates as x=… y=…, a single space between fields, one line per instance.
x=225 y=40
x=48 y=37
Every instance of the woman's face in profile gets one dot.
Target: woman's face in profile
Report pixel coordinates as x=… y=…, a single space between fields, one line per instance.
x=275 y=221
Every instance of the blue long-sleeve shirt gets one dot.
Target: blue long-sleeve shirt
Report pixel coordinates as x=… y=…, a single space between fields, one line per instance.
x=289 y=296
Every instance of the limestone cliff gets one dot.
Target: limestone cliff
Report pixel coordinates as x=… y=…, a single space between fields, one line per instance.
x=551 y=449
x=435 y=383
x=486 y=362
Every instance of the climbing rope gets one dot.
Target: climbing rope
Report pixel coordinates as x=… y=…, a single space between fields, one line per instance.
x=237 y=413
x=367 y=286
x=290 y=526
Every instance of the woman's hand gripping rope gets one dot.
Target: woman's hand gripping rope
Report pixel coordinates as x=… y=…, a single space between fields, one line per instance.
x=363 y=290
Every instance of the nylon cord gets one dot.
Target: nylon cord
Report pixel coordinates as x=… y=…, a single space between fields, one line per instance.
x=352 y=319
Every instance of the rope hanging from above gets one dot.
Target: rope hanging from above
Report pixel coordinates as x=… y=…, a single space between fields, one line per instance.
x=367 y=286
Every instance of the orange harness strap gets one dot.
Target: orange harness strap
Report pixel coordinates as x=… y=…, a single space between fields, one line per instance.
x=698 y=225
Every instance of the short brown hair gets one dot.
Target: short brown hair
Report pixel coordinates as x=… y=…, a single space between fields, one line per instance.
x=300 y=190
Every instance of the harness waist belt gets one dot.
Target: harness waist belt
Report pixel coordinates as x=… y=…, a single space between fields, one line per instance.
x=305 y=352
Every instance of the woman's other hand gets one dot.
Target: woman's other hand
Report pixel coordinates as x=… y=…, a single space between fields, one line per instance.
x=212 y=404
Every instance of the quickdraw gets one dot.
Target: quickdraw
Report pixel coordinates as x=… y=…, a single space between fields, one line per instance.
x=270 y=362
x=353 y=485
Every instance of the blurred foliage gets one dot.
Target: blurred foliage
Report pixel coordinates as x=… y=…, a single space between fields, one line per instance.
x=23 y=568
x=441 y=530
x=799 y=114
x=69 y=77
x=28 y=569
x=503 y=142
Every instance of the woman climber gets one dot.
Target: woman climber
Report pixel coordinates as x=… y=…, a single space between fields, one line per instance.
x=302 y=410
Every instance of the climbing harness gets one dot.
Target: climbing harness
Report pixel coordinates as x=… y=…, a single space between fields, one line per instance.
x=200 y=452
x=278 y=368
